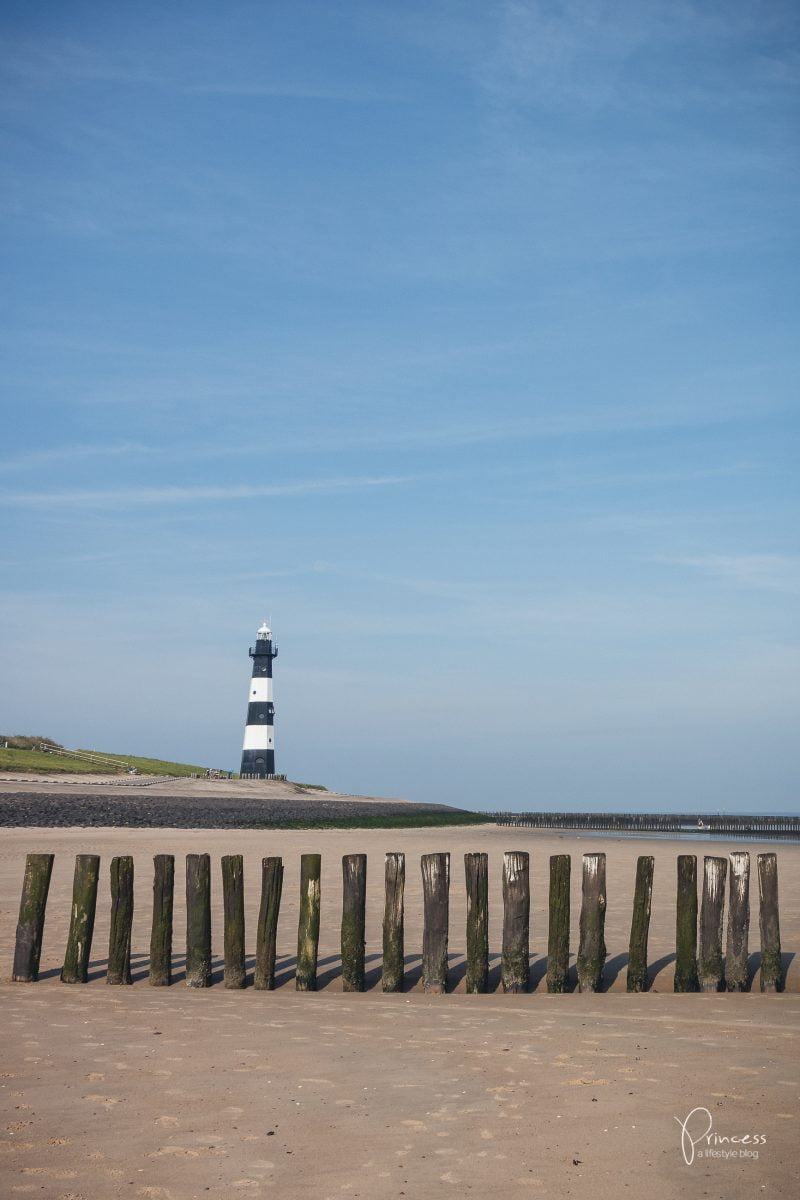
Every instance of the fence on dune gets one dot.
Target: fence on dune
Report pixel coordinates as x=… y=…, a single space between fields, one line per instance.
x=700 y=964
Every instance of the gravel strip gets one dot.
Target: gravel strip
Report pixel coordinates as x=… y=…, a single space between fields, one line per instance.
x=55 y=810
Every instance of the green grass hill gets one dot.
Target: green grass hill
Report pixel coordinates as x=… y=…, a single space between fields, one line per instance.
x=18 y=753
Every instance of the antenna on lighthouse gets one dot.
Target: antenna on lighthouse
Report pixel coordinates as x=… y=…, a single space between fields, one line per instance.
x=258 y=749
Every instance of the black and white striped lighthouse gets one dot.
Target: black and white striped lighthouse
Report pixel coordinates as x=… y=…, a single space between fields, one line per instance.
x=258 y=751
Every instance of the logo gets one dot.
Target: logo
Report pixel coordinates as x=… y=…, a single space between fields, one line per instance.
x=699 y=1139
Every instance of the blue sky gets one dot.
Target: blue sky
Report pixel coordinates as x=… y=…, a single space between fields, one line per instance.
x=460 y=340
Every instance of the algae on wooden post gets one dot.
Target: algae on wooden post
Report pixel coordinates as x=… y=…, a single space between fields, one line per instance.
x=161 y=930
x=81 y=925
x=592 y=946
x=736 y=977
x=198 y=920
x=640 y=925
x=712 y=912
x=516 y=921
x=686 y=926
x=354 y=900
x=769 y=924
x=233 y=918
x=436 y=911
x=558 y=929
x=393 y=973
x=308 y=924
x=476 y=867
x=266 y=934
x=30 y=926
x=119 y=938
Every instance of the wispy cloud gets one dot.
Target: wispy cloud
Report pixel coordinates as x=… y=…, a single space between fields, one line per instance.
x=65 y=454
x=47 y=64
x=775 y=572
x=132 y=497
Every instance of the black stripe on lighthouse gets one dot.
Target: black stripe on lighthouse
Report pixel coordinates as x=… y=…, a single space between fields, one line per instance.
x=258 y=713
x=258 y=750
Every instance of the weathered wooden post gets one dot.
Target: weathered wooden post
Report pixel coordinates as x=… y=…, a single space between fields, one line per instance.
x=558 y=925
x=769 y=923
x=592 y=946
x=436 y=912
x=476 y=868
x=161 y=930
x=354 y=901
x=712 y=913
x=738 y=922
x=516 y=921
x=198 y=920
x=81 y=925
x=30 y=926
x=686 y=926
x=233 y=920
x=393 y=974
x=640 y=925
x=267 y=932
x=119 y=938
x=308 y=925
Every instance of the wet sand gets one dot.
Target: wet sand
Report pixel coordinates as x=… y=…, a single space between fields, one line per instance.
x=172 y=1093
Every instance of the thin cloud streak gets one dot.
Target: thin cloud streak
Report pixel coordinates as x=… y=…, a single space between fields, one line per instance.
x=37 y=458
x=775 y=572
x=131 y=497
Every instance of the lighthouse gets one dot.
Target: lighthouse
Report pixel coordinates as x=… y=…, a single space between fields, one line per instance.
x=258 y=750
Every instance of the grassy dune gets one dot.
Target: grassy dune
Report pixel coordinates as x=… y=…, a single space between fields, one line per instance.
x=59 y=764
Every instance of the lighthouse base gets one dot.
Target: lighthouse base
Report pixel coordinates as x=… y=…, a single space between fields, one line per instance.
x=257 y=764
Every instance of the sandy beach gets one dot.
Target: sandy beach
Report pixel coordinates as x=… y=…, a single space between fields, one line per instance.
x=174 y=1093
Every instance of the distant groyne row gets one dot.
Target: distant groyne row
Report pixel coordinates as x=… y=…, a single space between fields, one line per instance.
x=702 y=962
x=664 y=823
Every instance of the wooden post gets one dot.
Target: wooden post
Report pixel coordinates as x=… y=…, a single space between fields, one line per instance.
x=640 y=925
x=30 y=926
x=558 y=928
x=267 y=933
x=592 y=946
x=436 y=912
x=393 y=974
x=771 y=962
x=516 y=921
x=81 y=925
x=712 y=912
x=161 y=932
x=354 y=900
x=476 y=868
x=119 y=938
x=686 y=926
x=198 y=921
x=233 y=908
x=308 y=925
x=738 y=922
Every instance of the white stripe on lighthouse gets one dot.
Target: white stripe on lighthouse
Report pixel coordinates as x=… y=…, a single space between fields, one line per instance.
x=260 y=690
x=258 y=737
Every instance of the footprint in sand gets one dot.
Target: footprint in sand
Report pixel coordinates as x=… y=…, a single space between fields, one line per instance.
x=50 y=1172
x=107 y=1102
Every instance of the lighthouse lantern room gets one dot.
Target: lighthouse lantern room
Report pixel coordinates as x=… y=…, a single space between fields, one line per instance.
x=258 y=750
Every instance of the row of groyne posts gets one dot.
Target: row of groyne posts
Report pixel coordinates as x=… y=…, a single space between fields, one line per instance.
x=698 y=967
x=665 y=823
